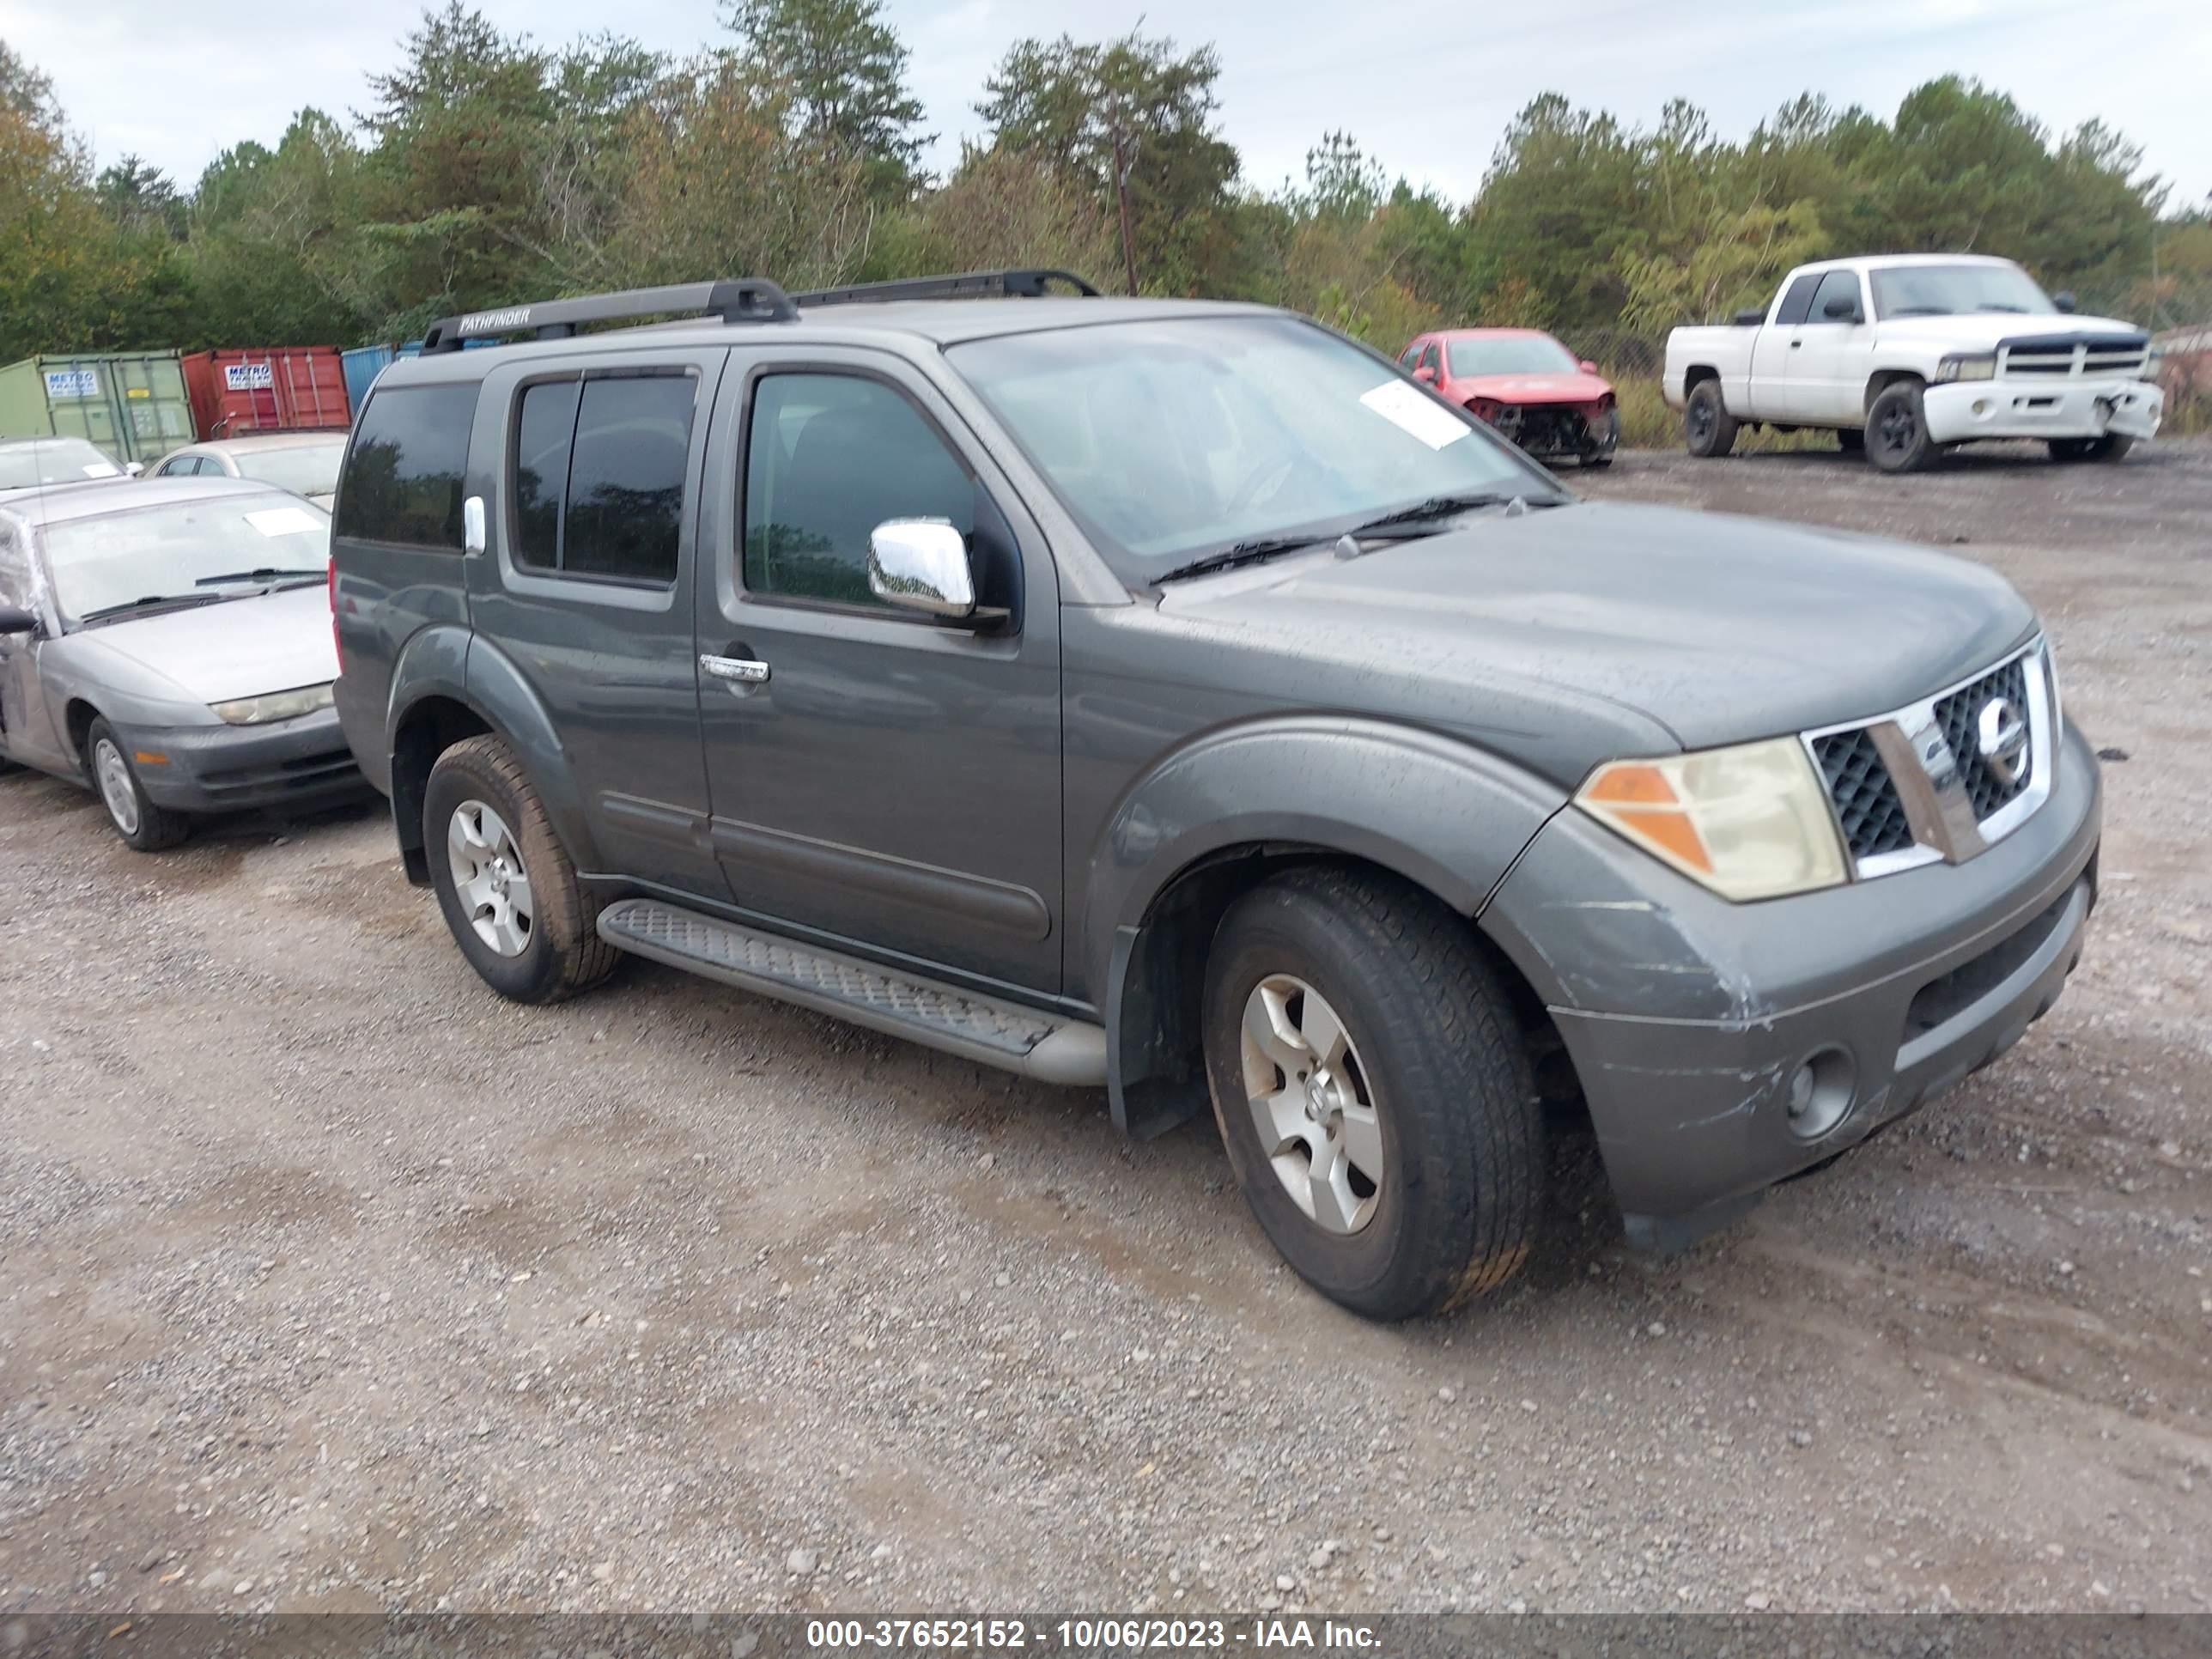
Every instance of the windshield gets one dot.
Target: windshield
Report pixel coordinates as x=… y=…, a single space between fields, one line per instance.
x=1170 y=439
x=1509 y=353
x=63 y=460
x=303 y=469
x=1950 y=290
x=168 y=551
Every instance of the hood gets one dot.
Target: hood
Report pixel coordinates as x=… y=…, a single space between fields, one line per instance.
x=323 y=498
x=1720 y=628
x=239 y=648
x=1970 y=329
x=1563 y=387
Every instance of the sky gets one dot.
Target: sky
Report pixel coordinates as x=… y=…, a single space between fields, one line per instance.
x=1426 y=87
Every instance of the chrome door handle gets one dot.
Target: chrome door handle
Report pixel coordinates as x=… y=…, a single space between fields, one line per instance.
x=735 y=670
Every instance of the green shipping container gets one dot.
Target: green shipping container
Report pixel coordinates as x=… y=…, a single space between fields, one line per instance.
x=131 y=404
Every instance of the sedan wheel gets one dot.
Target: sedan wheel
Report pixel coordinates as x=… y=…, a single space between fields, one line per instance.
x=489 y=877
x=117 y=786
x=1307 y=1094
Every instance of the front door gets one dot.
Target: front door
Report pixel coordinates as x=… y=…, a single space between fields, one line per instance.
x=1826 y=371
x=586 y=587
x=880 y=780
x=26 y=726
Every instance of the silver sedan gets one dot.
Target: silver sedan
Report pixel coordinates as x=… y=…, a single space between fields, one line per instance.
x=168 y=644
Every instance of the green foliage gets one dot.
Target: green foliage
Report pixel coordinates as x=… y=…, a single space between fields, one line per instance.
x=487 y=169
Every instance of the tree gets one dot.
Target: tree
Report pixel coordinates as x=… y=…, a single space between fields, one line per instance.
x=1134 y=113
x=847 y=69
x=25 y=92
x=140 y=199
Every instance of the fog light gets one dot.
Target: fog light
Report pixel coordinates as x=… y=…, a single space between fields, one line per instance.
x=1981 y=406
x=1820 y=1091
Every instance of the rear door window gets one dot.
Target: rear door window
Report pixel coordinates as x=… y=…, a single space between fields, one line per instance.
x=401 y=481
x=598 y=475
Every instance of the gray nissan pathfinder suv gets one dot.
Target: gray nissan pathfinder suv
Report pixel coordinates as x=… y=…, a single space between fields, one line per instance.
x=1174 y=697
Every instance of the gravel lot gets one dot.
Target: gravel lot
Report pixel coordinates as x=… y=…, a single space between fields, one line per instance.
x=327 y=1281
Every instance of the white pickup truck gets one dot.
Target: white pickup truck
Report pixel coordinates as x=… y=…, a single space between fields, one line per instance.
x=1905 y=355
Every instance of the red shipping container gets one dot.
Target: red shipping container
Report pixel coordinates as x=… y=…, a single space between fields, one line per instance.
x=269 y=389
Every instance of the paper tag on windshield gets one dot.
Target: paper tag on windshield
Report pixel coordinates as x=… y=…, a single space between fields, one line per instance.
x=283 y=520
x=101 y=470
x=1412 y=410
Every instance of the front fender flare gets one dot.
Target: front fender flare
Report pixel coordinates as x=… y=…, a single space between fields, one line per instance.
x=1442 y=813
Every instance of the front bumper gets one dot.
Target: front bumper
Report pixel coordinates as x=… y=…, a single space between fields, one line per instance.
x=1558 y=431
x=301 y=762
x=1963 y=410
x=1687 y=1017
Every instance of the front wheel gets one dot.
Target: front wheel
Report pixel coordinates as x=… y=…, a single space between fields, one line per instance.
x=2110 y=447
x=144 y=826
x=1896 y=434
x=1375 y=1101
x=1708 y=428
x=506 y=885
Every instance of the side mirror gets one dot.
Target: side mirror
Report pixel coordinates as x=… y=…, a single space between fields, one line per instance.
x=1425 y=375
x=1587 y=367
x=2063 y=299
x=921 y=564
x=1841 y=310
x=14 y=619
x=132 y=469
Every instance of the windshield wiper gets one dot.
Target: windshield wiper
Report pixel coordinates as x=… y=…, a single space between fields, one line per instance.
x=1251 y=552
x=146 y=601
x=1438 y=509
x=265 y=574
x=1987 y=305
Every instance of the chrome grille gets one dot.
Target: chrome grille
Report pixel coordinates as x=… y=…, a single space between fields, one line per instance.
x=1917 y=786
x=1958 y=714
x=2099 y=357
x=1868 y=808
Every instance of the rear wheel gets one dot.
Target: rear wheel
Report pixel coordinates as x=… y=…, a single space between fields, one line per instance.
x=1896 y=435
x=2112 y=446
x=1708 y=429
x=1377 y=1105
x=144 y=826
x=506 y=886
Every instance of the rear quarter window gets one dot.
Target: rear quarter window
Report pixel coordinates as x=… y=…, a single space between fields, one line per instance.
x=401 y=481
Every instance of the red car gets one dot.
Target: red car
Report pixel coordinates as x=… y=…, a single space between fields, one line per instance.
x=1527 y=385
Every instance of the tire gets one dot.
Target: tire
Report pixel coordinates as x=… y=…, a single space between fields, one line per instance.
x=144 y=826
x=527 y=925
x=1851 y=439
x=1430 y=1064
x=2110 y=447
x=1708 y=429
x=1896 y=435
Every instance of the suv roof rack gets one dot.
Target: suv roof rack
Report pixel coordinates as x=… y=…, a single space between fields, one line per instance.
x=745 y=300
x=1023 y=283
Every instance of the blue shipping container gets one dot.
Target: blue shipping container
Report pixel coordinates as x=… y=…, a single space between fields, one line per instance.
x=362 y=366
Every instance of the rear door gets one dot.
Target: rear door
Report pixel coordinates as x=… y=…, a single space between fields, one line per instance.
x=884 y=780
x=585 y=588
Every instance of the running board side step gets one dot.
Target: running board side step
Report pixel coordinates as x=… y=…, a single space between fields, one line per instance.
x=1051 y=1048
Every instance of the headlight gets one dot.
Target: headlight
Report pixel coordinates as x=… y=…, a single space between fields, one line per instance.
x=277 y=706
x=1750 y=822
x=1967 y=366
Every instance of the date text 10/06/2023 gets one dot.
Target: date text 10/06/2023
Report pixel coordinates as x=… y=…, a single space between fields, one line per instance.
x=1097 y=1635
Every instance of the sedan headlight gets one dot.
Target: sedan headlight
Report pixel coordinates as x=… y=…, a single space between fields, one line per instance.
x=1967 y=366
x=275 y=706
x=1750 y=821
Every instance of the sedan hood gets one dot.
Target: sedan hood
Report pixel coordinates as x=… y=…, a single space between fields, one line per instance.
x=1720 y=628
x=237 y=648
x=1560 y=388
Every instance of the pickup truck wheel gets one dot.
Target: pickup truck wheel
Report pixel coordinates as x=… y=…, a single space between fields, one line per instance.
x=144 y=827
x=506 y=885
x=2110 y=447
x=1378 y=1107
x=1896 y=435
x=1851 y=439
x=1708 y=428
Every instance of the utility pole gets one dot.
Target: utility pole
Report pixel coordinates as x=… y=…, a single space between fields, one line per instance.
x=1125 y=156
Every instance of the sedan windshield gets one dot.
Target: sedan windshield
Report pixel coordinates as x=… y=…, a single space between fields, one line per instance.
x=52 y=461
x=1176 y=438
x=1953 y=291
x=1509 y=353
x=219 y=547
x=303 y=469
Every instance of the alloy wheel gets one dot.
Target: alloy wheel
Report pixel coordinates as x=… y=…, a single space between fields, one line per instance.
x=489 y=877
x=117 y=786
x=1310 y=1102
